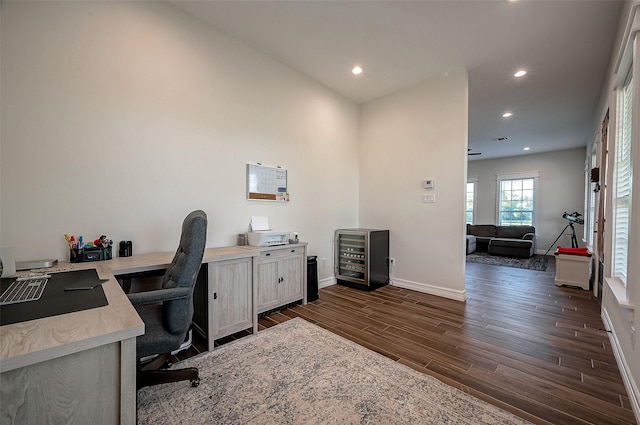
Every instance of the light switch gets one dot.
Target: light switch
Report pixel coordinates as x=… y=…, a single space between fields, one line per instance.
x=429 y=198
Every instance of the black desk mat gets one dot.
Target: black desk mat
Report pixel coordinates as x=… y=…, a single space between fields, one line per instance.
x=55 y=300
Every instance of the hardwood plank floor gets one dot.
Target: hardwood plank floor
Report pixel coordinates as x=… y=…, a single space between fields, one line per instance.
x=518 y=342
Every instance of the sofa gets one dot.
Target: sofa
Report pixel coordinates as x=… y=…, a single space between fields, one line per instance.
x=510 y=241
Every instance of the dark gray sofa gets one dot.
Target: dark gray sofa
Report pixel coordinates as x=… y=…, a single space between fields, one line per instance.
x=510 y=241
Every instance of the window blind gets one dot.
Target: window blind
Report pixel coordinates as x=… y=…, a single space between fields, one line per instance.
x=622 y=179
x=592 y=213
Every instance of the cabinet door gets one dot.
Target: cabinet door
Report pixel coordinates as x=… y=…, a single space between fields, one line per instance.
x=267 y=284
x=231 y=297
x=291 y=284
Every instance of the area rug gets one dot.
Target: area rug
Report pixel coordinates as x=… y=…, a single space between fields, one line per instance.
x=537 y=262
x=299 y=373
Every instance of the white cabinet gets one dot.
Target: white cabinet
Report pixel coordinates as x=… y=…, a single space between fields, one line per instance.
x=280 y=277
x=573 y=270
x=230 y=297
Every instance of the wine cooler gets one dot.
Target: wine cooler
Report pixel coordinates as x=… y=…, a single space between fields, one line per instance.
x=362 y=257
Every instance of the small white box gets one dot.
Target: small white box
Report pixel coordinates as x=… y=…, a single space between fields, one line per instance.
x=573 y=270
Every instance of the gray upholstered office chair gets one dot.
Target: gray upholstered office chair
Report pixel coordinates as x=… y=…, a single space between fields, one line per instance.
x=167 y=312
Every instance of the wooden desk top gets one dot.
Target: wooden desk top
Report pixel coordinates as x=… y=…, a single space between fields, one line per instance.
x=161 y=260
x=34 y=341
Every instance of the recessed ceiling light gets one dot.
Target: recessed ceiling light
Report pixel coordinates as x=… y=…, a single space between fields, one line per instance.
x=520 y=73
x=357 y=70
x=507 y=114
x=527 y=148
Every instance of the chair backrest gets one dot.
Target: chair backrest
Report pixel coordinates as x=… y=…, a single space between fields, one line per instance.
x=183 y=272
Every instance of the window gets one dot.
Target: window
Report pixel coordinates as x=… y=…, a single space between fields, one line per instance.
x=622 y=183
x=591 y=218
x=590 y=200
x=471 y=199
x=516 y=201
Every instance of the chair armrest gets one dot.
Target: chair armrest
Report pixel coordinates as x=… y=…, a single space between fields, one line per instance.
x=160 y=295
x=529 y=236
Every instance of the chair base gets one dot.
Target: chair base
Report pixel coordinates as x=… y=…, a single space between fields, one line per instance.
x=155 y=377
x=156 y=372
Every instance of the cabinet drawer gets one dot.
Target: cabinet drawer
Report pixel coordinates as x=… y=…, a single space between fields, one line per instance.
x=283 y=252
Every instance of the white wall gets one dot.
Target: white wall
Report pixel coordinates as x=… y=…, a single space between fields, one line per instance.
x=129 y=115
x=416 y=134
x=560 y=189
x=623 y=322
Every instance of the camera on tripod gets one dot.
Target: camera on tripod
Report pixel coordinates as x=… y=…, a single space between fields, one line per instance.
x=574 y=217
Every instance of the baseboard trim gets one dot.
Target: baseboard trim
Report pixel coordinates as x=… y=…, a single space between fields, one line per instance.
x=414 y=286
x=323 y=283
x=632 y=388
x=430 y=289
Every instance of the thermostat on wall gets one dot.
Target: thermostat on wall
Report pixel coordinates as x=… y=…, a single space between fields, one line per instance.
x=428 y=184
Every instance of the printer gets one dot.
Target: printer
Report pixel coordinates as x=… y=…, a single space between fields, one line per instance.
x=268 y=238
x=262 y=235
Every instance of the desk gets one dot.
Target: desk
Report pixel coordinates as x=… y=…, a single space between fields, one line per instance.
x=243 y=281
x=75 y=368
x=79 y=368
x=213 y=257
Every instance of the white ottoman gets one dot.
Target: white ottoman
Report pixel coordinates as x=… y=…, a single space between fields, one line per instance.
x=573 y=270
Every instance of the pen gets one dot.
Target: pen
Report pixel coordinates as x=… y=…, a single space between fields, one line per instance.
x=86 y=287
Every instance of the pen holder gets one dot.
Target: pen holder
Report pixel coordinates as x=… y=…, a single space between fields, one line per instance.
x=89 y=254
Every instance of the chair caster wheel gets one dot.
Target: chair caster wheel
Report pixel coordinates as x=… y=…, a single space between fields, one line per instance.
x=195 y=382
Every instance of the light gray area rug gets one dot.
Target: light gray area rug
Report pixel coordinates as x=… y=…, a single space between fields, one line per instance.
x=299 y=373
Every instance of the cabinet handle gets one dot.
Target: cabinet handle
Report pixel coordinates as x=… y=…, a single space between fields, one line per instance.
x=293 y=250
x=215 y=295
x=267 y=254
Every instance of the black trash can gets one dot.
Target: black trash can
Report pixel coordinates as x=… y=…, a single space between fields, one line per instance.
x=312 y=278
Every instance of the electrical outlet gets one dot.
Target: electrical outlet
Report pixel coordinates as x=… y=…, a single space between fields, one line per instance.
x=392 y=262
x=323 y=262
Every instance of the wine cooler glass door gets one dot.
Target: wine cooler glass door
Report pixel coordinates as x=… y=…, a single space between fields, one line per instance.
x=352 y=257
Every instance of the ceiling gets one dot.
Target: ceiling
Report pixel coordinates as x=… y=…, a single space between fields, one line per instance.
x=565 y=46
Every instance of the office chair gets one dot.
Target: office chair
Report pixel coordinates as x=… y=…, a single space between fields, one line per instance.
x=167 y=312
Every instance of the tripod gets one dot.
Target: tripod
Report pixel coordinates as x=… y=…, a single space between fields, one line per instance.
x=574 y=240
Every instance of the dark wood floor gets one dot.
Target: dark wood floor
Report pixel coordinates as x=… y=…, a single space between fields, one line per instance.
x=518 y=342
